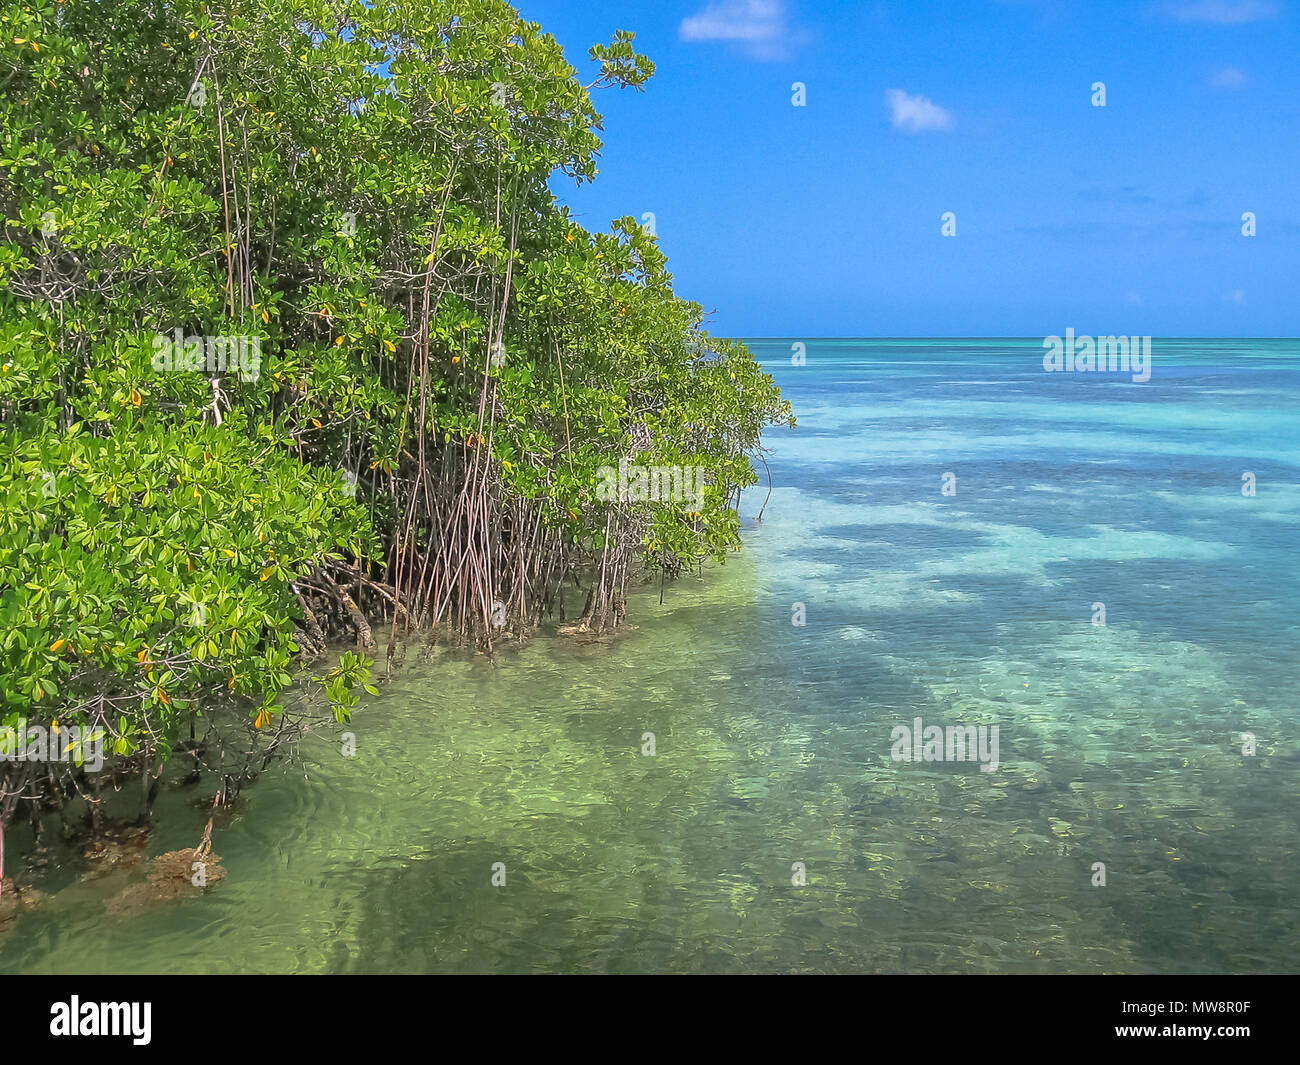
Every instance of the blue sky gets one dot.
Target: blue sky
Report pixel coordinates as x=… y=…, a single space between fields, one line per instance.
x=825 y=220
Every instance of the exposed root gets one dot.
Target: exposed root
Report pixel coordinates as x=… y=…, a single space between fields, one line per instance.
x=313 y=640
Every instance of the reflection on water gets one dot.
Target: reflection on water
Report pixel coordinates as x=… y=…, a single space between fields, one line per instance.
x=1118 y=744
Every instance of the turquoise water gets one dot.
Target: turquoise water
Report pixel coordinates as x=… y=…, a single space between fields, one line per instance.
x=1118 y=744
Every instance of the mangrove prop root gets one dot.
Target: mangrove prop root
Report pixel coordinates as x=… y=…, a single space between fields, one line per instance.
x=313 y=626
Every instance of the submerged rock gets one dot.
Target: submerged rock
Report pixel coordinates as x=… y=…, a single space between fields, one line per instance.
x=16 y=898
x=174 y=875
x=118 y=847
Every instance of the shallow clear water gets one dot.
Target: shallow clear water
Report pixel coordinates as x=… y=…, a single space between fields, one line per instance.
x=1118 y=744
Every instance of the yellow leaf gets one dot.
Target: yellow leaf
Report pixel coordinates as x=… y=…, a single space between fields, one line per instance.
x=135 y=398
x=193 y=34
x=266 y=573
x=265 y=317
x=338 y=341
x=57 y=646
x=316 y=422
x=390 y=345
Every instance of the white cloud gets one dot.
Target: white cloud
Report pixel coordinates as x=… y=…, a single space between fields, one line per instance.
x=1222 y=12
x=915 y=114
x=759 y=26
x=1228 y=78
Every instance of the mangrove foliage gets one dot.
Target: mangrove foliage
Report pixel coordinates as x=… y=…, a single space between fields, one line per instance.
x=296 y=342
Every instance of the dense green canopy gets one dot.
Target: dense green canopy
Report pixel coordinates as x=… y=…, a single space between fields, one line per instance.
x=400 y=362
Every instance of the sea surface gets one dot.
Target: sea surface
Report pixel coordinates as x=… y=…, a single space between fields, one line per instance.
x=772 y=829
